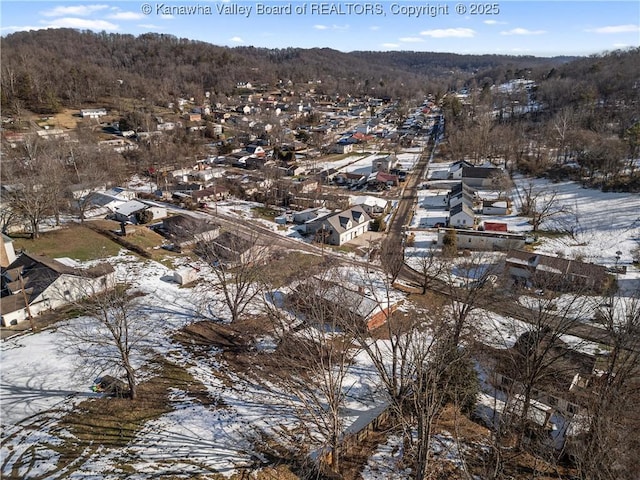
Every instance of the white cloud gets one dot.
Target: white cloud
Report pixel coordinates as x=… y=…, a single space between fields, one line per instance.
x=630 y=28
x=449 y=32
x=494 y=22
x=391 y=45
x=236 y=40
x=621 y=45
x=375 y=28
x=332 y=27
x=522 y=31
x=15 y=28
x=150 y=26
x=411 y=39
x=83 y=23
x=126 y=16
x=79 y=10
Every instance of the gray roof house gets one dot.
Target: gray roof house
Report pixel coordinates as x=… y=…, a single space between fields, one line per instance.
x=480 y=176
x=343 y=227
x=461 y=216
x=47 y=284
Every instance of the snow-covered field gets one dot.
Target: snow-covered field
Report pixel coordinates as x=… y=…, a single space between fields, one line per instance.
x=599 y=224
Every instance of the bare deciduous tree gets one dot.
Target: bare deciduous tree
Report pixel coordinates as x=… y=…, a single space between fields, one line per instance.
x=110 y=334
x=539 y=205
x=317 y=360
x=430 y=265
x=238 y=260
x=608 y=448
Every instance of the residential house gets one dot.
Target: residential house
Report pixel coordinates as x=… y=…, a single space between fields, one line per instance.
x=374 y=206
x=230 y=250
x=455 y=170
x=342 y=148
x=193 y=117
x=479 y=240
x=340 y=228
x=305 y=186
x=461 y=216
x=93 y=112
x=556 y=401
x=255 y=150
x=210 y=194
x=295 y=170
x=33 y=284
x=185 y=232
x=482 y=177
x=542 y=271
x=347 y=307
x=127 y=211
x=381 y=180
x=461 y=193
x=310 y=215
x=350 y=179
x=384 y=164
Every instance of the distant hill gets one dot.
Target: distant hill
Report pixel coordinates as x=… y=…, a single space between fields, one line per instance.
x=45 y=70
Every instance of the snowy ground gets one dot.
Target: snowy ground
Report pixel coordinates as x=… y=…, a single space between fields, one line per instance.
x=599 y=223
x=40 y=383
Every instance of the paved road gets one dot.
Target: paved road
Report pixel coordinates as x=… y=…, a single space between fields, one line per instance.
x=409 y=198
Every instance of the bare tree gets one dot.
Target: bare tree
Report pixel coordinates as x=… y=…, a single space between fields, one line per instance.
x=317 y=360
x=533 y=366
x=418 y=370
x=608 y=447
x=468 y=283
x=430 y=265
x=238 y=260
x=392 y=257
x=30 y=200
x=539 y=205
x=111 y=333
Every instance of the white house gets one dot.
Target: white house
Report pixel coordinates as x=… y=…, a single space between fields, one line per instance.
x=461 y=216
x=455 y=170
x=127 y=211
x=47 y=284
x=374 y=206
x=93 y=112
x=479 y=240
x=343 y=227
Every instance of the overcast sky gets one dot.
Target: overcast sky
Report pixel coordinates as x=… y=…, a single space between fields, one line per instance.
x=517 y=27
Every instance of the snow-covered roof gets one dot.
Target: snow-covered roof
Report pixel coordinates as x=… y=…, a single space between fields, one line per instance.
x=130 y=207
x=369 y=201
